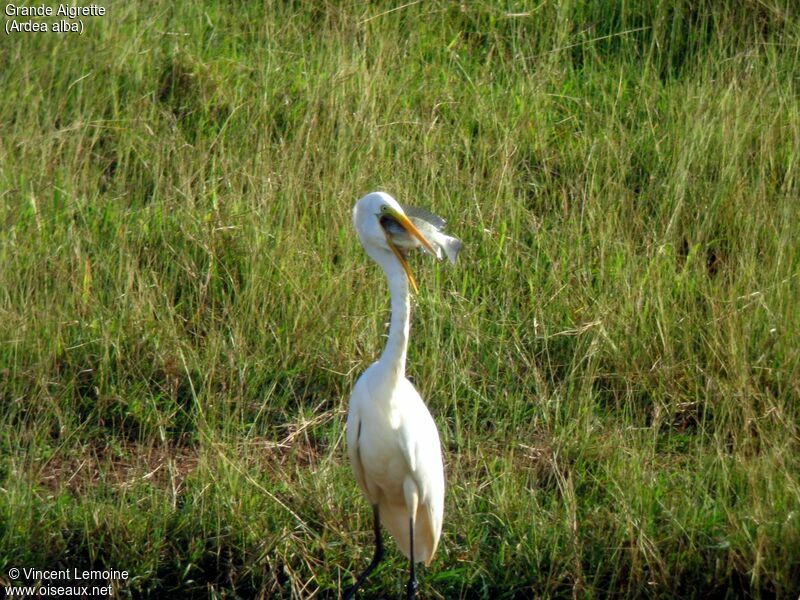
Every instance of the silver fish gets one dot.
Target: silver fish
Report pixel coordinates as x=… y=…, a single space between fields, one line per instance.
x=430 y=225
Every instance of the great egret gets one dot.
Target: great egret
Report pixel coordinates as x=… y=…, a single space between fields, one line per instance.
x=392 y=439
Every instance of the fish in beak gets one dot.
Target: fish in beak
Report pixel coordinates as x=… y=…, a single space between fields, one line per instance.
x=430 y=226
x=397 y=226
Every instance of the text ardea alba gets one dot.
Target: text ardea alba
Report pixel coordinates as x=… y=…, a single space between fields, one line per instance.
x=392 y=441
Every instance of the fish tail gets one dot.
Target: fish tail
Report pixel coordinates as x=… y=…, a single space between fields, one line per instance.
x=451 y=246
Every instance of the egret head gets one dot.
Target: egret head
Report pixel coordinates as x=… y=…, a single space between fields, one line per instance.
x=374 y=216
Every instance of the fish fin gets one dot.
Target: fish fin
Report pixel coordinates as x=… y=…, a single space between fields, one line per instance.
x=414 y=212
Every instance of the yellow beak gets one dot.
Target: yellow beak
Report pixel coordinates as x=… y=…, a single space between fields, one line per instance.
x=412 y=229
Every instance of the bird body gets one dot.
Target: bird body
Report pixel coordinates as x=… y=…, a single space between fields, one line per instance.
x=392 y=441
x=394 y=445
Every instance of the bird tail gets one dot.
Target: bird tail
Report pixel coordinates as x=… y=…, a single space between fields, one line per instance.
x=394 y=517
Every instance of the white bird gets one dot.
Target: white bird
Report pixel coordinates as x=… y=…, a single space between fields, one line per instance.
x=392 y=441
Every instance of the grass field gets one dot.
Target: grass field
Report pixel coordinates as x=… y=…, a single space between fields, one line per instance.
x=614 y=365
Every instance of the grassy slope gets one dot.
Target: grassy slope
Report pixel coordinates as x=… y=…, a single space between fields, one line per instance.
x=614 y=366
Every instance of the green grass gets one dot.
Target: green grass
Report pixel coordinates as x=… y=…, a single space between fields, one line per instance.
x=614 y=365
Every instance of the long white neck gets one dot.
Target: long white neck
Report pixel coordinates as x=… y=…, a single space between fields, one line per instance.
x=393 y=358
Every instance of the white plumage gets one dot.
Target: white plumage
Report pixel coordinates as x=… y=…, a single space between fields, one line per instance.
x=394 y=450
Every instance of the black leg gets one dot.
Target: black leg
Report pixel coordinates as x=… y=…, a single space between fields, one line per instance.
x=413 y=586
x=376 y=521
